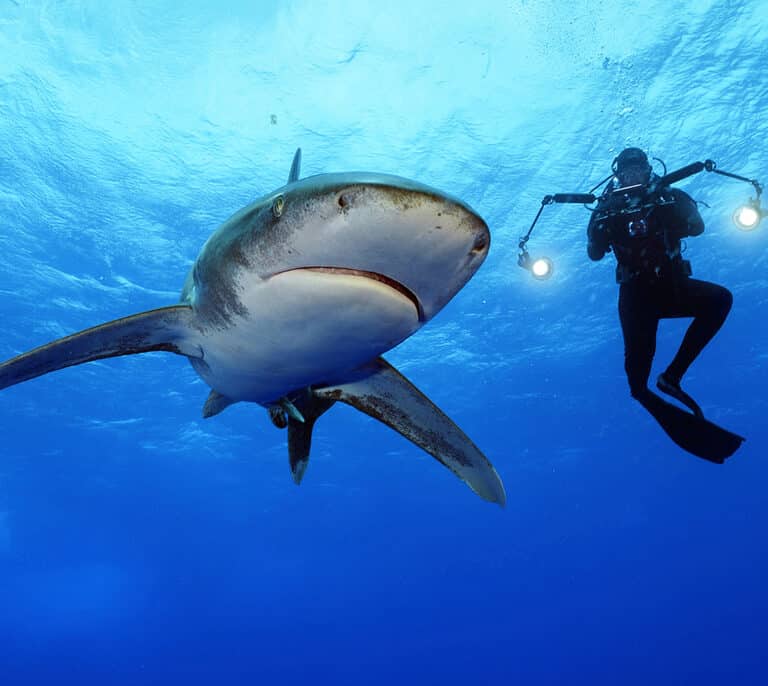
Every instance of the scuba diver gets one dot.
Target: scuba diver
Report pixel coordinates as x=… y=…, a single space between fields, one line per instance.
x=643 y=222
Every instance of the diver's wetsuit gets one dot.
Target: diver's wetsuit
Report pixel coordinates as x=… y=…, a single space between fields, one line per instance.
x=644 y=233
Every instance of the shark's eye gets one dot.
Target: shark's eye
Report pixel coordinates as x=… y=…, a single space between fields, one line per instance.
x=277 y=206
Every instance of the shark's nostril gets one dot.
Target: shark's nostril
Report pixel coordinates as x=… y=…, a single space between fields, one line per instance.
x=481 y=243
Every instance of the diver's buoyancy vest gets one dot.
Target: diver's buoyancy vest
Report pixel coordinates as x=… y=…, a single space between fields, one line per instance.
x=643 y=235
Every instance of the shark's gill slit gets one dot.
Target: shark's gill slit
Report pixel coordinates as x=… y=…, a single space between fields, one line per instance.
x=375 y=276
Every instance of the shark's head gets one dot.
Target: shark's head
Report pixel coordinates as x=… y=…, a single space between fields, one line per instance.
x=425 y=243
x=410 y=238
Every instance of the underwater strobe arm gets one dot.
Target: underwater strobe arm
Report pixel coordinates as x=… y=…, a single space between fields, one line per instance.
x=746 y=217
x=542 y=267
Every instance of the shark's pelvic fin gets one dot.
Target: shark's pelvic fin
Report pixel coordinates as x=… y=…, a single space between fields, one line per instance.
x=291 y=410
x=216 y=403
x=295 y=167
x=280 y=411
x=385 y=394
x=310 y=407
x=168 y=328
x=278 y=416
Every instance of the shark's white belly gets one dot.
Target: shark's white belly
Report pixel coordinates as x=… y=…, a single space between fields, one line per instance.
x=304 y=328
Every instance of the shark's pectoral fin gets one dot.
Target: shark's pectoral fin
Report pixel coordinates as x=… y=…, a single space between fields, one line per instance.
x=385 y=394
x=168 y=328
x=308 y=408
x=215 y=403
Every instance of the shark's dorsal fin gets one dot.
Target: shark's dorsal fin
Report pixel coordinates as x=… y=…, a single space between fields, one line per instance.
x=295 y=167
x=385 y=394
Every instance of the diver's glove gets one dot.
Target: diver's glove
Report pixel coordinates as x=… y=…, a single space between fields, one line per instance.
x=598 y=239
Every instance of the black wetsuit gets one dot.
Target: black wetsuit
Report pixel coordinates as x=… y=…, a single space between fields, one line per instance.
x=644 y=231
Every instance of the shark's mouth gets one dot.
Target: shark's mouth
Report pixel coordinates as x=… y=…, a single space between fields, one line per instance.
x=374 y=276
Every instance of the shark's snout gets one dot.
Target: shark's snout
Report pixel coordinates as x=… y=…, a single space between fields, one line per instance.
x=426 y=242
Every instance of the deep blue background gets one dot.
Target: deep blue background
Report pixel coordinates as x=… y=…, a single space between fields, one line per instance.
x=140 y=544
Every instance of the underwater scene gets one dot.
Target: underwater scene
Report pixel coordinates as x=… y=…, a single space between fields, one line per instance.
x=473 y=300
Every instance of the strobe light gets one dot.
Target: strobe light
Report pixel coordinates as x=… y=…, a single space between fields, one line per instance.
x=748 y=216
x=541 y=268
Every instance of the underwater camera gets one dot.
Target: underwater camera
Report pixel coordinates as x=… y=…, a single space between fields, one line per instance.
x=630 y=199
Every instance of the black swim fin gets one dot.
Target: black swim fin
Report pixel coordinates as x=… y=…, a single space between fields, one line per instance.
x=697 y=435
x=672 y=389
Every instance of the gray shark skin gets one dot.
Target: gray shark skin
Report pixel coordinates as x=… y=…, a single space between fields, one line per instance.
x=293 y=300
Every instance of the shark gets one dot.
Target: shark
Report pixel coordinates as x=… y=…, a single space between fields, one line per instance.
x=293 y=300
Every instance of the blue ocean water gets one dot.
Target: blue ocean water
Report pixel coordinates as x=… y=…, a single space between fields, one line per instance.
x=141 y=544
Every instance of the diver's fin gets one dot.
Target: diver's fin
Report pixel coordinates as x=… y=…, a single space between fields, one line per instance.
x=383 y=393
x=295 y=167
x=673 y=390
x=168 y=328
x=309 y=407
x=216 y=403
x=697 y=435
